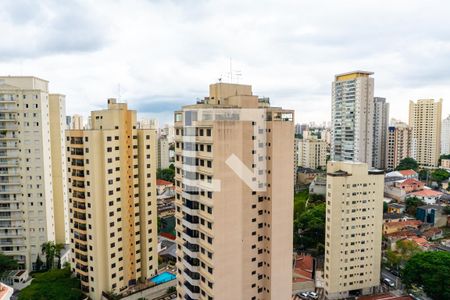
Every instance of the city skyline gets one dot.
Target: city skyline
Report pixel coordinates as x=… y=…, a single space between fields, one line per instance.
x=163 y=53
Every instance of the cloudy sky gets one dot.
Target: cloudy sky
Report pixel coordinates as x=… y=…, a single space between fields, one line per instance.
x=160 y=54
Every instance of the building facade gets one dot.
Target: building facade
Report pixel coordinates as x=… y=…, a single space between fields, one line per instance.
x=163 y=152
x=57 y=109
x=352 y=113
x=445 y=136
x=312 y=153
x=234 y=235
x=354 y=220
x=112 y=196
x=380 y=128
x=425 y=118
x=399 y=144
x=27 y=218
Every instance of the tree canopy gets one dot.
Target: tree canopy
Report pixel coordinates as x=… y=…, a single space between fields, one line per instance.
x=440 y=175
x=55 y=284
x=405 y=249
x=431 y=271
x=309 y=221
x=411 y=205
x=7 y=263
x=166 y=174
x=407 y=164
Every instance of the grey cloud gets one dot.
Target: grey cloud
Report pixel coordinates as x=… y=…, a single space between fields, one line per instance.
x=42 y=28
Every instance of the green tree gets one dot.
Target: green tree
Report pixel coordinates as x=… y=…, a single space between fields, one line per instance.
x=393 y=259
x=166 y=174
x=411 y=204
x=446 y=210
x=311 y=224
x=385 y=207
x=171 y=289
x=406 y=249
x=431 y=271
x=407 y=163
x=7 y=263
x=161 y=223
x=55 y=284
x=440 y=175
x=48 y=249
x=39 y=263
x=58 y=248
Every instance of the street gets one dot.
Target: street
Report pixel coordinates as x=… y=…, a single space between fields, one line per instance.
x=386 y=274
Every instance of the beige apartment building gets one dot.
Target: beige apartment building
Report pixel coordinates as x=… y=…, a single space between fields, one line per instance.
x=399 y=144
x=234 y=186
x=112 y=195
x=425 y=118
x=352 y=115
x=354 y=219
x=312 y=153
x=32 y=200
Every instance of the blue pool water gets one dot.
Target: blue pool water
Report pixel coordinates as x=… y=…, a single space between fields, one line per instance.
x=163 y=277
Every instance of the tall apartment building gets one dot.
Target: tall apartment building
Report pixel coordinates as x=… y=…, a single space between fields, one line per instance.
x=28 y=165
x=234 y=235
x=77 y=122
x=425 y=118
x=352 y=113
x=354 y=221
x=57 y=109
x=112 y=196
x=312 y=153
x=445 y=136
x=163 y=152
x=399 y=144
x=380 y=127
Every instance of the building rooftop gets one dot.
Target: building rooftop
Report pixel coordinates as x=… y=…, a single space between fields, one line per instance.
x=163 y=182
x=408 y=172
x=427 y=193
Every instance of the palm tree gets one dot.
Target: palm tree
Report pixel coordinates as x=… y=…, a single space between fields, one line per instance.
x=58 y=248
x=48 y=249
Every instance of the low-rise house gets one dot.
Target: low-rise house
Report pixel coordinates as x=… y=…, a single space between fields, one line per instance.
x=432 y=214
x=306 y=175
x=396 y=208
x=421 y=242
x=433 y=234
x=427 y=196
x=391 y=227
x=394 y=217
x=318 y=186
x=163 y=186
x=409 y=174
x=445 y=164
x=410 y=185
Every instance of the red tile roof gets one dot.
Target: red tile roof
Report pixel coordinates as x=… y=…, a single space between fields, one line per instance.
x=411 y=181
x=427 y=193
x=163 y=182
x=408 y=172
x=403 y=223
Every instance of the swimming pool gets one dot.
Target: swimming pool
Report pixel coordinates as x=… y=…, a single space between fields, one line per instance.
x=163 y=277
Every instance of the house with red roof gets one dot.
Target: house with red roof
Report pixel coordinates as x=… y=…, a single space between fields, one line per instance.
x=427 y=196
x=392 y=227
x=409 y=174
x=410 y=185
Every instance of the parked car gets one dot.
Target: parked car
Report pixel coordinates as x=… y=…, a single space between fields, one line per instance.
x=388 y=282
x=313 y=295
x=303 y=295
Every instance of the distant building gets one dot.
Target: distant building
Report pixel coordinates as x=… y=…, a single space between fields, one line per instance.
x=425 y=119
x=163 y=152
x=353 y=225
x=432 y=214
x=77 y=122
x=445 y=136
x=445 y=164
x=397 y=208
x=380 y=126
x=318 y=185
x=312 y=153
x=352 y=113
x=398 y=145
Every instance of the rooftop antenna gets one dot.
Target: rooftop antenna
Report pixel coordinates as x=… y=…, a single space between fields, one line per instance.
x=236 y=73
